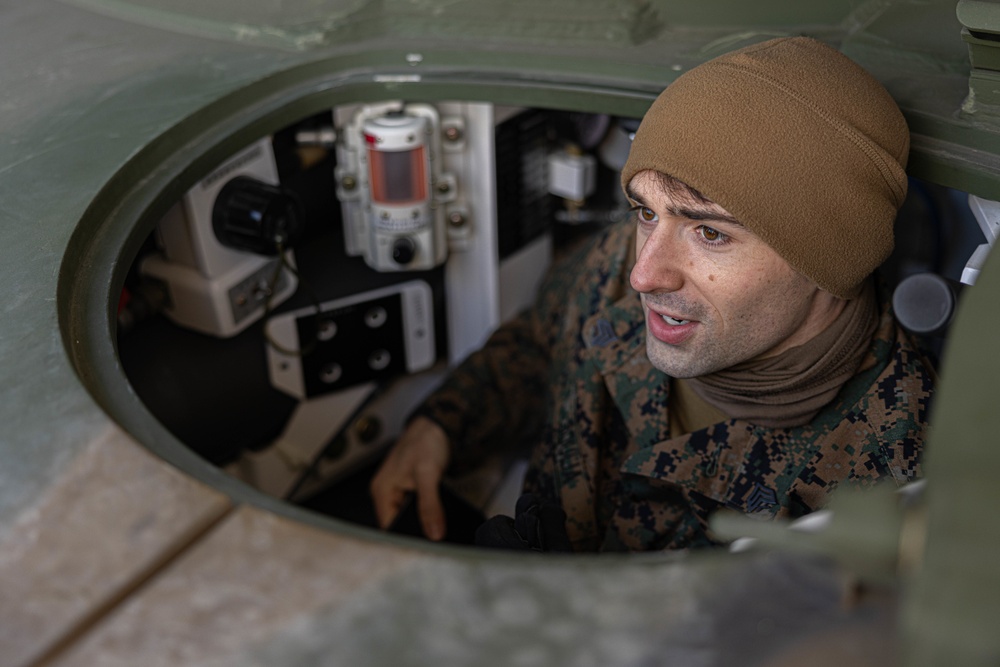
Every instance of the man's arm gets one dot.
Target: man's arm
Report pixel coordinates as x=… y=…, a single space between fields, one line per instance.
x=496 y=398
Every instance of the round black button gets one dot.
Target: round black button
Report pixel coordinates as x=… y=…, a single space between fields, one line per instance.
x=403 y=250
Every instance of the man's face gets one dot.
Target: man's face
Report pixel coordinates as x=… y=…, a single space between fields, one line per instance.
x=714 y=294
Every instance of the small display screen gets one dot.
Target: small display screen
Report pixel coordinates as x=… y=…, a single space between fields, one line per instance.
x=398 y=177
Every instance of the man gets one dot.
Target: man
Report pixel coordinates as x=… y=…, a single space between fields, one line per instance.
x=726 y=348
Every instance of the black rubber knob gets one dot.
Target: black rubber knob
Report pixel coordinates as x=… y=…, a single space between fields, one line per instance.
x=403 y=250
x=255 y=216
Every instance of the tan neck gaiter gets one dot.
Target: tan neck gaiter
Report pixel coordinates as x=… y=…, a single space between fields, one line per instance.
x=688 y=411
x=791 y=388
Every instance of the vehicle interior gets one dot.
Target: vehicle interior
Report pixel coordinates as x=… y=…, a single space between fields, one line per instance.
x=292 y=309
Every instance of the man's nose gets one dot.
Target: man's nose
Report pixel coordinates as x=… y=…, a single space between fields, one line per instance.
x=656 y=264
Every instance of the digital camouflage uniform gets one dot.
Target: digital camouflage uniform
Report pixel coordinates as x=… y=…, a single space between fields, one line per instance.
x=572 y=375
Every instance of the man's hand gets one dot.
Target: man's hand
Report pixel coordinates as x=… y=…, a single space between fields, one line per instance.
x=416 y=463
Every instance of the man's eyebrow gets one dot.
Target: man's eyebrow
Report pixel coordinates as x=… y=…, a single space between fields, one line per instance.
x=631 y=194
x=689 y=212
x=702 y=214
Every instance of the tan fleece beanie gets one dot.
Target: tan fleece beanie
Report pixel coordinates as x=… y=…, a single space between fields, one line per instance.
x=796 y=141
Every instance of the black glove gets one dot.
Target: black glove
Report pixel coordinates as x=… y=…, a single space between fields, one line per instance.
x=538 y=525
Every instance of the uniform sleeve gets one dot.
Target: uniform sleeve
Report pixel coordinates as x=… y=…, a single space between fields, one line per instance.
x=497 y=398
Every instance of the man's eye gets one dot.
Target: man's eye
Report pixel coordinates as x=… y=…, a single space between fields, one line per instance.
x=645 y=213
x=710 y=234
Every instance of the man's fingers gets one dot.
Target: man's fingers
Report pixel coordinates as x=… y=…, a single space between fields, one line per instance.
x=429 y=503
x=415 y=463
x=387 y=500
x=385 y=510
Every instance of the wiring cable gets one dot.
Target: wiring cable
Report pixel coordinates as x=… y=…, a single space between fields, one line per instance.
x=272 y=284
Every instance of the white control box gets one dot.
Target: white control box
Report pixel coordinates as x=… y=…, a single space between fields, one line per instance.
x=393 y=188
x=212 y=288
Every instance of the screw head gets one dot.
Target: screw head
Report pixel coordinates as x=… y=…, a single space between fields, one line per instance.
x=368 y=428
x=348 y=182
x=331 y=373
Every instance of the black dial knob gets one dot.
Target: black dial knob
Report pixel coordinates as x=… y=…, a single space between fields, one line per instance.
x=403 y=250
x=255 y=216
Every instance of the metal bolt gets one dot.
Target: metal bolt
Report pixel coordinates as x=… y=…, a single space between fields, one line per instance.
x=452 y=133
x=456 y=219
x=348 y=183
x=331 y=373
x=368 y=428
x=443 y=187
x=327 y=329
